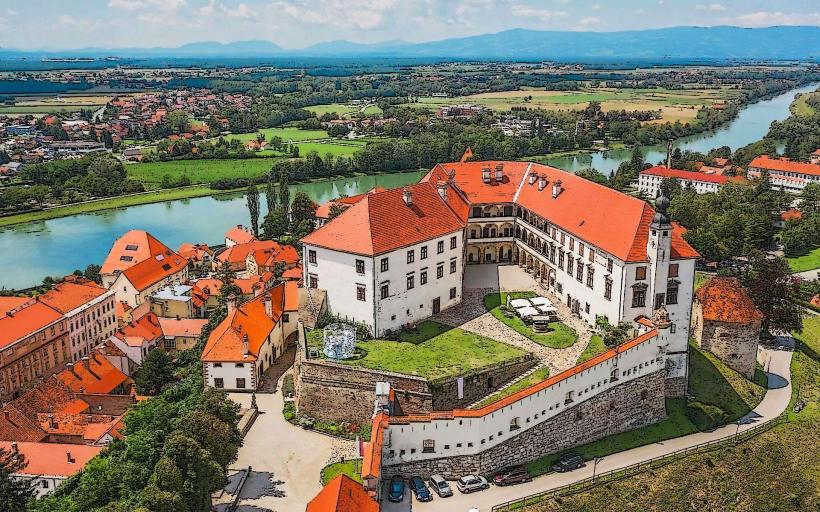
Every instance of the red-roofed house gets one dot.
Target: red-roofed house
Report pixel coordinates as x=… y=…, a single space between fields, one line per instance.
x=139 y=337
x=649 y=180
x=95 y=375
x=259 y=261
x=237 y=254
x=137 y=283
x=200 y=255
x=342 y=494
x=323 y=210
x=50 y=464
x=784 y=173
x=397 y=257
x=726 y=322
x=128 y=250
x=89 y=309
x=238 y=234
x=246 y=343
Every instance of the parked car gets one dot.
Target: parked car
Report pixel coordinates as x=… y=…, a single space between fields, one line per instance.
x=568 y=462
x=441 y=486
x=396 y=494
x=472 y=483
x=513 y=475
x=420 y=489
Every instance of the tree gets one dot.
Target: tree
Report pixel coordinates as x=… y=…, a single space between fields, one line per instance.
x=336 y=209
x=15 y=493
x=156 y=371
x=810 y=199
x=612 y=335
x=284 y=191
x=253 y=208
x=92 y=273
x=275 y=224
x=271 y=195
x=775 y=292
x=593 y=175
x=303 y=212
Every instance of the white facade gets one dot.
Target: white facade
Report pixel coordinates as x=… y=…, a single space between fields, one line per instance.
x=467 y=435
x=793 y=182
x=245 y=375
x=91 y=324
x=393 y=289
x=125 y=291
x=650 y=185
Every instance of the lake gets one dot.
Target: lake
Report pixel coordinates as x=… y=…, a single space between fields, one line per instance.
x=29 y=252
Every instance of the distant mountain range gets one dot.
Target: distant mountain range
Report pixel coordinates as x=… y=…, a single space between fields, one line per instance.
x=723 y=42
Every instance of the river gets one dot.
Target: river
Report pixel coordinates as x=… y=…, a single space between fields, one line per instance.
x=29 y=252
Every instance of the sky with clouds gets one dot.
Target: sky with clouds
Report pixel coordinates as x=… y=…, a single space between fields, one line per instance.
x=300 y=23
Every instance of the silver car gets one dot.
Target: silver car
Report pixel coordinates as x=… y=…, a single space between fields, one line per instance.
x=472 y=483
x=440 y=485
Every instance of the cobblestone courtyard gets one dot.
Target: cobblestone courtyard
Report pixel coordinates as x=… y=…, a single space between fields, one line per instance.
x=471 y=315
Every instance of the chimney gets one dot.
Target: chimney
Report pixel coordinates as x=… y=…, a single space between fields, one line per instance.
x=407 y=196
x=14 y=448
x=231 y=303
x=86 y=363
x=542 y=182
x=442 y=190
x=7 y=415
x=245 y=349
x=499 y=172
x=268 y=305
x=71 y=369
x=533 y=177
x=556 y=189
x=485 y=174
x=52 y=424
x=69 y=458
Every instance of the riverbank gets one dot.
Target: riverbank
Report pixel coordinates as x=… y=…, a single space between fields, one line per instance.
x=108 y=203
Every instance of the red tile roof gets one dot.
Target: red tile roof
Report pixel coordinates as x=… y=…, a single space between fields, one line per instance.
x=382 y=222
x=268 y=257
x=372 y=461
x=779 y=164
x=184 y=327
x=16 y=426
x=249 y=318
x=723 y=299
x=291 y=296
x=71 y=294
x=323 y=210
x=94 y=375
x=468 y=177
x=239 y=252
x=25 y=320
x=144 y=328
x=681 y=250
x=51 y=459
x=135 y=246
x=154 y=269
x=663 y=172
x=342 y=494
x=240 y=235
x=791 y=214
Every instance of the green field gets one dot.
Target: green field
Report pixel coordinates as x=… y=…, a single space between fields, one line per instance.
x=432 y=351
x=801 y=107
x=713 y=385
x=107 y=204
x=200 y=171
x=530 y=380
x=326 y=148
x=560 y=335
x=286 y=134
x=775 y=471
x=806 y=262
x=342 y=109
x=351 y=468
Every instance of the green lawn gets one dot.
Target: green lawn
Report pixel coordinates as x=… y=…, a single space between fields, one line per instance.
x=801 y=107
x=532 y=379
x=433 y=351
x=775 y=471
x=351 y=468
x=107 y=204
x=324 y=148
x=596 y=346
x=342 y=109
x=809 y=261
x=286 y=134
x=714 y=387
x=560 y=335
x=200 y=171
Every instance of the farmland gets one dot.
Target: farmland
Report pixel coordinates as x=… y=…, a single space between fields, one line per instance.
x=286 y=134
x=39 y=106
x=675 y=105
x=199 y=171
x=343 y=110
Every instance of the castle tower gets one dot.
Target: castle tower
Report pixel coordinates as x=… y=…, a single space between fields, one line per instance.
x=672 y=323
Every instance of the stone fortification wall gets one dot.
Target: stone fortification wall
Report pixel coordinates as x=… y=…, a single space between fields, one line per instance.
x=734 y=344
x=631 y=405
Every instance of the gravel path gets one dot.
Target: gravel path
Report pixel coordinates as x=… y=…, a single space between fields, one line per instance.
x=472 y=316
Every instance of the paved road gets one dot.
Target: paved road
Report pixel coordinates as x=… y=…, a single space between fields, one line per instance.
x=776 y=363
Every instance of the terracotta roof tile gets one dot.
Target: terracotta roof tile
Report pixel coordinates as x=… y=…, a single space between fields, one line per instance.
x=723 y=299
x=51 y=459
x=154 y=269
x=130 y=249
x=778 y=164
x=71 y=294
x=24 y=320
x=100 y=376
x=342 y=494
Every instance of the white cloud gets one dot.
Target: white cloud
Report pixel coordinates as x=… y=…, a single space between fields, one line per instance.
x=768 y=19
x=596 y=6
x=70 y=22
x=710 y=7
x=357 y=14
x=521 y=11
x=589 y=20
x=135 y=5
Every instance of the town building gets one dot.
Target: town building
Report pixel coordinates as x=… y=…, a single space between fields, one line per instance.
x=393 y=258
x=342 y=494
x=180 y=334
x=179 y=301
x=136 y=284
x=343 y=203
x=649 y=180
x=139 y=337
x=50 y=464
x=602 y=252
x=726 y=322
x=267 y=259
x=200 y=255
x=131 y=248
x=785 y=174
x=236 y=256
x=88 y=308
x=34 y=343
x=238 y=234
x=247 y=342
x=94 y=374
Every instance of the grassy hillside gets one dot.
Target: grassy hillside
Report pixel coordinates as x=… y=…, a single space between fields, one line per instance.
x=776 y=471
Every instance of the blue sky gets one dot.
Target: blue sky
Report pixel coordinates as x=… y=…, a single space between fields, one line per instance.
x=300 y=23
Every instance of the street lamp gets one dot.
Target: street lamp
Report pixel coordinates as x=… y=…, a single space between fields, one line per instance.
x=737 y=430
x=595 y=467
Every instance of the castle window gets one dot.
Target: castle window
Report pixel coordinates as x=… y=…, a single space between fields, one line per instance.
x=411 y=280
x=590 y=276
x=423 y=277
x=672 y=294
x=385 y=291
x=312 y=257
x=640 y=273
x=608 y=288
x=453 y=242
x=440 y=247
x=638 y=298
x=568 y=399
x=673 y=270
x=458 y=445
x=570 y=264
x=514 y=424
x=423 y=251
x=360 y=292
x=609 y=265
x=411 y=256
